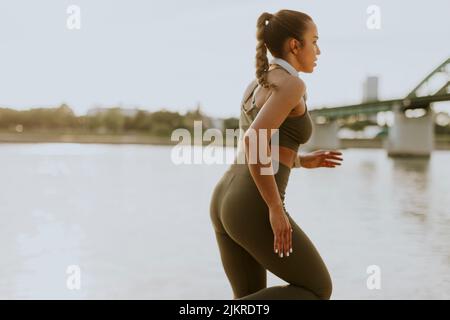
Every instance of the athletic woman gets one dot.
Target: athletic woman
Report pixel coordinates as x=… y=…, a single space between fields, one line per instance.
x=254 y=231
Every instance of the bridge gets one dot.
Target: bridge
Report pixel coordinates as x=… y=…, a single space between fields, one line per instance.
x=408 y=136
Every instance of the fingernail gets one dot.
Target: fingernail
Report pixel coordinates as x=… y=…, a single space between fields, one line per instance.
x=276 y=250
x=287 y=254
x=290 y=250
x=281 y=255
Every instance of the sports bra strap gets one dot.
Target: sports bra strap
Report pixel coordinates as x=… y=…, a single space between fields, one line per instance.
x=249 y=107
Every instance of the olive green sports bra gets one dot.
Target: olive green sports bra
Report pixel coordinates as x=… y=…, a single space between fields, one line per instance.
x=294 y=131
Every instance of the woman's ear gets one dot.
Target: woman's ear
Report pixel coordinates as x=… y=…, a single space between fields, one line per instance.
x=292 y=46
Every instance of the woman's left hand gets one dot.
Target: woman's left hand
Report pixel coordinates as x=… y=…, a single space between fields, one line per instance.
x=321 y=159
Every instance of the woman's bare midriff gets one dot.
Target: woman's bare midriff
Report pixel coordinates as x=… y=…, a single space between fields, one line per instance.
x=287 y=156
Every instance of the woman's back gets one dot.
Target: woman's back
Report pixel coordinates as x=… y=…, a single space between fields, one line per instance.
x=296 y=128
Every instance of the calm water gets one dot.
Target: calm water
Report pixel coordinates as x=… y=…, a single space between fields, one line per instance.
x=138 y=226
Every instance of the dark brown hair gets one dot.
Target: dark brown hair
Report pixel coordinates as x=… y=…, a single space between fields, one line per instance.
x=280 y=26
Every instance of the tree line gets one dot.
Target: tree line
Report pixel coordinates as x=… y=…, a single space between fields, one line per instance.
x=109 y=121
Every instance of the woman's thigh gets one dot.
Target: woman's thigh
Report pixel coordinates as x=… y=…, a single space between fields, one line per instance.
x=246 y=221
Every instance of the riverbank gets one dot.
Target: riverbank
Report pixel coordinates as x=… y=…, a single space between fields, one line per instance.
x=441 y=143
x=49 y=137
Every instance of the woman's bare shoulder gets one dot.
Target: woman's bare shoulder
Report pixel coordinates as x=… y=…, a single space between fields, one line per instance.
x=282 y=79
x=290 y=87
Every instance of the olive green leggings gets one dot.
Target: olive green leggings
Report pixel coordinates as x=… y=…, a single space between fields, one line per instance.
x=240 y=218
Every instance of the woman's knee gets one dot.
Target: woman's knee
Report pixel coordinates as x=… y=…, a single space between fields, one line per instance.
x=243 y=294
x=325 y=290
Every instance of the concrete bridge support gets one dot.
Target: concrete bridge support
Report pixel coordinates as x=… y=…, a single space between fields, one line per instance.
x=324 y=136
x=410 y=136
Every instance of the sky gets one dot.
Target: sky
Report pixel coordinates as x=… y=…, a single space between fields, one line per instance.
x=180 y=54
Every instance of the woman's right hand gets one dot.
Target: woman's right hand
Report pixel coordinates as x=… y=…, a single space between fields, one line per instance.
x=282 y=231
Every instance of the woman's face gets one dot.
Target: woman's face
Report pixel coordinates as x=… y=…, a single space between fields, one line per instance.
x=306 y=56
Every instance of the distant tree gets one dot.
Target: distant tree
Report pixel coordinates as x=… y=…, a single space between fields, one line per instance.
x=231 y=123
x=164 y=122
x=140 y=122
x=113 y=120
x=196 y=115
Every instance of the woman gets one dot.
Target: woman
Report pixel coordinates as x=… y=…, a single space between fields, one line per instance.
x=253 y=230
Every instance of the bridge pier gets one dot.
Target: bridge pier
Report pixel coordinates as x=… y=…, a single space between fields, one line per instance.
x=324 y=136
x=410 y=136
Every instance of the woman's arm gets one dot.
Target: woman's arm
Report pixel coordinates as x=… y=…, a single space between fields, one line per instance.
x=270 y=117
x=257 y=146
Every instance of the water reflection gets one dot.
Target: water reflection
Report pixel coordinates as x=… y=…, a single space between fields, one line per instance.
x=410 y=186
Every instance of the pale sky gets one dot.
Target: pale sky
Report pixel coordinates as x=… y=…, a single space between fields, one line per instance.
x=176 y=54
